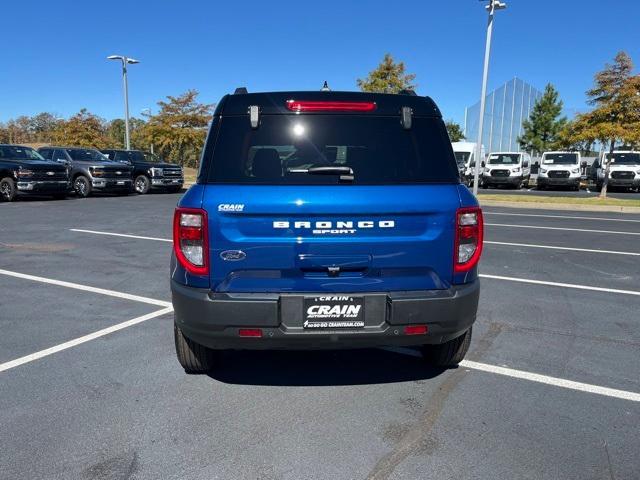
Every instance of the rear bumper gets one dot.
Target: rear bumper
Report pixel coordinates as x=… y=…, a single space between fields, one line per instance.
x=213 y=319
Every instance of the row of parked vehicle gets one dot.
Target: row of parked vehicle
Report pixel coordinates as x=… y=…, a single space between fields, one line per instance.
x=556 y=169
x=59 y=171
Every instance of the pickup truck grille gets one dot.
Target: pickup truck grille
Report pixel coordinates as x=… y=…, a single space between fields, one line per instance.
x=558 y=174
x=172 y=172
x=52 y=175
x=499 y=173
x=111 y=173
x=622 y=175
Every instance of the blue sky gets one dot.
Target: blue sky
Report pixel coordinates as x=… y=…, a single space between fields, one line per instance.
x=54 y=51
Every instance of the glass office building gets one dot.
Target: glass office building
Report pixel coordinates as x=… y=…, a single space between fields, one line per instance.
x=505 y=110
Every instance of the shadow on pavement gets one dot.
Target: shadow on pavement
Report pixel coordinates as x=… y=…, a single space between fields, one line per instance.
x=321 y=368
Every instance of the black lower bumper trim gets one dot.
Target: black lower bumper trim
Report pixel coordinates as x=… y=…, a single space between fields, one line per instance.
x=213 y=319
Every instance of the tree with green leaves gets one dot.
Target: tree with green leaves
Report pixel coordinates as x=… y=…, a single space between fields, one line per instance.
x=84 y=129
x=388 y=77
x=115 y=132
x=616 y=114
x=542 y=129
x=454 y=130
x=178 y=130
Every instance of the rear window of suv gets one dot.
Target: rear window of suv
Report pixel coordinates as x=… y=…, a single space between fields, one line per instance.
x=377 y=148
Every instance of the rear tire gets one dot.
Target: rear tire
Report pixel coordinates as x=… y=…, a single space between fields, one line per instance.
x=193 y=357
x=448 y=354
x=7 y=189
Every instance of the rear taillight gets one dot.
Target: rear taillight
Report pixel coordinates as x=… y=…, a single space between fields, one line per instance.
x=190 y=240
x=468 y=241
x=330 y=106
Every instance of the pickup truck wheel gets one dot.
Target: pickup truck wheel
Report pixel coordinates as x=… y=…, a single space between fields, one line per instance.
x=82 y=186
x=7 y=189
x=193 y=357
x=448 y=354
x=142 y=184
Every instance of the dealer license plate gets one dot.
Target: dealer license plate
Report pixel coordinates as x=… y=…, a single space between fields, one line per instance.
x=333 y=311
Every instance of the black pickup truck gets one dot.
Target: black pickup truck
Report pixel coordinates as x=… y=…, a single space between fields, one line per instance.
x=91 y=171
x=23 y=170
x=149 y=170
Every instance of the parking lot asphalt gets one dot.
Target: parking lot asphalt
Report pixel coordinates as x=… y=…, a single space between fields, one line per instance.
x=550 y=389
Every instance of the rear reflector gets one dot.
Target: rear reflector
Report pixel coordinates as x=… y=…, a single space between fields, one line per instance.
x=415 y=330
x=468 y=239
x=316 y=106
x=250 y=332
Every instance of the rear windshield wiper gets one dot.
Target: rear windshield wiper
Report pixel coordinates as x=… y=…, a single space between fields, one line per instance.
x=346 y=173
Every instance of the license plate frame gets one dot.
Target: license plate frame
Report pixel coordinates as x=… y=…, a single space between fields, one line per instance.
x=326 y=312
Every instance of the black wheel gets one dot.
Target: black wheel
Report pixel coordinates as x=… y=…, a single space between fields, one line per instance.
x=7 y=189
x=142 y=184
x=82 y=186
x=193 y=357
x=60 y=196
x=448 y=354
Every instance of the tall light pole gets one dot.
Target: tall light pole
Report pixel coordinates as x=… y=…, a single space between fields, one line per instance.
x=125 y=61
x=492 y=6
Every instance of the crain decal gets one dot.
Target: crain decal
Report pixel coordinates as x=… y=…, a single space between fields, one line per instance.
x=231 y=207
x=335 y=228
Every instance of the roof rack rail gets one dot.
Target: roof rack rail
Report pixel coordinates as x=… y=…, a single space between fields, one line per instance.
x=408 y=91
x=240 y=91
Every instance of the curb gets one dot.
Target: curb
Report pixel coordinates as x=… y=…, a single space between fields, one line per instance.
x=558 y=206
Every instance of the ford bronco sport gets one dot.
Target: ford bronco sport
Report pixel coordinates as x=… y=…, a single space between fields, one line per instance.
x=325 y=220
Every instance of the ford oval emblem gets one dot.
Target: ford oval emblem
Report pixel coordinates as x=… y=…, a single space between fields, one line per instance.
x=233 y=255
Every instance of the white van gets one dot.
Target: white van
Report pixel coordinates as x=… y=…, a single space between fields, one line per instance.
x=559 y=169
x=465 y=153
x=507 y=168
x=623 y=172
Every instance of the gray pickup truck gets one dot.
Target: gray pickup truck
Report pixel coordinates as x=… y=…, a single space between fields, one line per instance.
x=91 y=171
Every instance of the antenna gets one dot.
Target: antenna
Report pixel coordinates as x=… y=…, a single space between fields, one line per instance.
x=325 y=87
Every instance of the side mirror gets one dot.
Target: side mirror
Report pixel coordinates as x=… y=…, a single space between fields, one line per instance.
x=483 y=164
x=584 y=163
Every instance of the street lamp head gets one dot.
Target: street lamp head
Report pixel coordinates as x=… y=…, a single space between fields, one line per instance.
x=132 y=60
x=495 y=5
x=115 y=57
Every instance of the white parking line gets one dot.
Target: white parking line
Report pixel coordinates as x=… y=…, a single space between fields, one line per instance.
x=556 y=382
x=86 y=288
x=80 y=340
x=553 y=247
x=560 y=216
x=560 y=228
x=563 y=285
x=139 y=237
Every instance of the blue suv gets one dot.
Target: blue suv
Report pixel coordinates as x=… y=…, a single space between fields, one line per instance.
x=325 y=220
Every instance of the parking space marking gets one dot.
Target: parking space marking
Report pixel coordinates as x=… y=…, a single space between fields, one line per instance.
x=80 y=340
x=554 y=381
x=586 y=230
x=563 y=285
x=139 y=237
x=86 y=288
x=560 y=216
x=553 y=247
